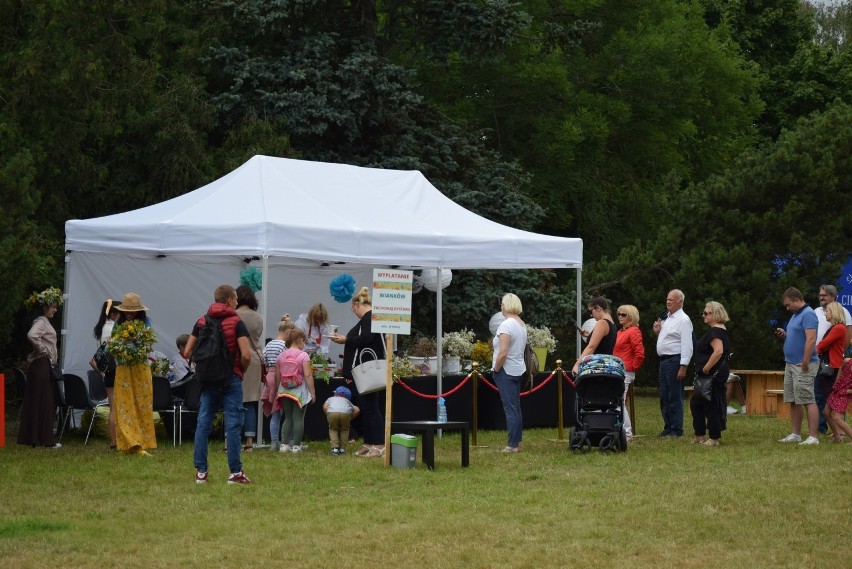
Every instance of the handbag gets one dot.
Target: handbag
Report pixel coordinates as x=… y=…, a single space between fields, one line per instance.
x=56 y=373
x=703 y=386
x=371 y=375
x=103 y=360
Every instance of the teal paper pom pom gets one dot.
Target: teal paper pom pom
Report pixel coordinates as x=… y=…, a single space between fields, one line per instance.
x=253 y=277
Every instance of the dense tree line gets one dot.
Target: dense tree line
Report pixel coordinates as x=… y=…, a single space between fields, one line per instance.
x=689 y=143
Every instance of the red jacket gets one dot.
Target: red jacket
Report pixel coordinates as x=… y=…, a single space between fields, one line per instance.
x=833 y=343
x=229 y=320
x=629 y=347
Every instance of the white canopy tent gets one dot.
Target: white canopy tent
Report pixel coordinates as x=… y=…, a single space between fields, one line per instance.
x=303 y=223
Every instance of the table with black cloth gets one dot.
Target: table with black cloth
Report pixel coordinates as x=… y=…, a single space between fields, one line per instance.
x=539 y=409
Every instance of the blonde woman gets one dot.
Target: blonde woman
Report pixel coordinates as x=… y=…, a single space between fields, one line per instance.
x=315 y=326
x=631 y=350
x=358 y=338
x=830 y=349
x=508 y=365
x=711 y=358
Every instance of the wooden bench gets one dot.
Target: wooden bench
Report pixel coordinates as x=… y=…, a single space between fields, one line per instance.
x=775 y=401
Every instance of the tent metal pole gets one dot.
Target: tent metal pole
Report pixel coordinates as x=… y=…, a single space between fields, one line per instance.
x=264 y=312
x=579 y=309
x=439 y=333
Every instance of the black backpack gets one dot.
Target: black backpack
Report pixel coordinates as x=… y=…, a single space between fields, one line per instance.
x=214 y=364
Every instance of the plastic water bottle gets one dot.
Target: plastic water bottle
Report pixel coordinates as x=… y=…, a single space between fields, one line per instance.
x=442 y=410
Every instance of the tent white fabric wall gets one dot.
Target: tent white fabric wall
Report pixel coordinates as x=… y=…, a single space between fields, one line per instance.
x=309 y=221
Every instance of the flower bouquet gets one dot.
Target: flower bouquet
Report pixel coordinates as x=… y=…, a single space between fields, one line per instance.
x=131 y=342
x=402 y=367
x=457 y=343
x=541 y=338
x=160 y=367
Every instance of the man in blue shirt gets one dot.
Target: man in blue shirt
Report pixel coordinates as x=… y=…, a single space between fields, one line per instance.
x=801 y=366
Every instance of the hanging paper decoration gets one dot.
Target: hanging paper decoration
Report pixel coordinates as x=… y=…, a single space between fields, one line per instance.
x=429 y=278
x=253 y=277
x=342 y=288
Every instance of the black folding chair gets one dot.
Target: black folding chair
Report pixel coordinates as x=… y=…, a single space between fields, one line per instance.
x=78 y=396
x=163 y=402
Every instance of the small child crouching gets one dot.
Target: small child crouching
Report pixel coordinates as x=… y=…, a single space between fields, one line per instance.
x=339 y=411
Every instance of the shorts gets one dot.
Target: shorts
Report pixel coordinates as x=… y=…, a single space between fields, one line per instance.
x=798 y=385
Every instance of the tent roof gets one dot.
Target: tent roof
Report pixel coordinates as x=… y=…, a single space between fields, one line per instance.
x=327 y=212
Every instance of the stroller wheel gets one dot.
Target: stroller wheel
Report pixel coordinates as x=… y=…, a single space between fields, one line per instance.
x=608 y=443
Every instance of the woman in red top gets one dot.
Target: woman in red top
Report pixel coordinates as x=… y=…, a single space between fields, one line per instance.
x=629 y=347
x=832 y=345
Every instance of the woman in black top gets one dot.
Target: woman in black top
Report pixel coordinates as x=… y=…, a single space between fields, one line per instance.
x=602 y=338
x=358 y=338
x=711 y=358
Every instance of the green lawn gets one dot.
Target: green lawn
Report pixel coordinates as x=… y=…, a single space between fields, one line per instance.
x=752 y=502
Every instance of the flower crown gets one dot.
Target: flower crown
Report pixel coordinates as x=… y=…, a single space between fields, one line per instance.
x=46 y=297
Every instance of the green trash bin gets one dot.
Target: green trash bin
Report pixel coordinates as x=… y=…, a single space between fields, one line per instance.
x=403 y=451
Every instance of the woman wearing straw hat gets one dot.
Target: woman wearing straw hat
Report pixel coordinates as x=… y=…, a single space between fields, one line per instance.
x=133 y=392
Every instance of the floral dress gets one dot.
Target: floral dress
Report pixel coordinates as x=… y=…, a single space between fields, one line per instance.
x=838 y=401
x=133 y=399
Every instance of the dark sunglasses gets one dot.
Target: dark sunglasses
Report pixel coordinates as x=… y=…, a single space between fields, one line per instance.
x=623 y=314
x=705 y=313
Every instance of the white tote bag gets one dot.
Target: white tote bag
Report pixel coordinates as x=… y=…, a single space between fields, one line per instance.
x=370 y=376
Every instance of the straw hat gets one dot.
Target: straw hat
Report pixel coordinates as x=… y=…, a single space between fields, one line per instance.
x=131 y=302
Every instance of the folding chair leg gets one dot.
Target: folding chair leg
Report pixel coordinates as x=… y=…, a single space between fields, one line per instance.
x=91 y=424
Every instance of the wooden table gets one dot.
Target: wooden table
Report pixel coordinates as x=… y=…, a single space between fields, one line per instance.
x=757 y=382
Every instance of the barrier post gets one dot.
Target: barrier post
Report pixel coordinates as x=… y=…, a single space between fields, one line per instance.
x=474 y=375
x=560 y=427
x=2 y=411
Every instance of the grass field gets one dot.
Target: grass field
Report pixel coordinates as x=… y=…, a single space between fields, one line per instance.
x=752 y=502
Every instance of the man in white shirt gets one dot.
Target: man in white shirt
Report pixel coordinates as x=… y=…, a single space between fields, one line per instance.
x=827 y=293
x=674 y=346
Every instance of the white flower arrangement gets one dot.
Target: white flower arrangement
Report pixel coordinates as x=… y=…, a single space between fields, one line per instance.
x=457 y=343
x=541 y=338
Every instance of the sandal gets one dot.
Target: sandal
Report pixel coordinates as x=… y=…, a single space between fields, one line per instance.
x=363 y=450
x=374 y=452
x=248 y=448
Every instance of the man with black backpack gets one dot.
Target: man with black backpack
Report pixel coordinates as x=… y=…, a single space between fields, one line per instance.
x=219 y=347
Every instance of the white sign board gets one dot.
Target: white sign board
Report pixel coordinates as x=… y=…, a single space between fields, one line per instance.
x=392 y=301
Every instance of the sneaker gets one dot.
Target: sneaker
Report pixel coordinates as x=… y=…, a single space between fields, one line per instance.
x=295 y=448
x=511 y=449
x=710 y=443
x=810 y=441
x=672 y=436
x=663 y=433
x=791 y=438
x=742 y=410
x=200 y=477
x=238 y=478
x=731 y=410
x=284 y=448
x=341 y=451
x=275 y=446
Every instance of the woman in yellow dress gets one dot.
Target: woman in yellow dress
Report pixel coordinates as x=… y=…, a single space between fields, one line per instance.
x=132 y=339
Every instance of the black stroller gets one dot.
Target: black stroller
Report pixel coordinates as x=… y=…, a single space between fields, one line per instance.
x=598 y=406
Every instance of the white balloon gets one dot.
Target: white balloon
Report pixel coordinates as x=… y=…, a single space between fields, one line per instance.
x=429 y=278
x=588 y=326
x=495 y=321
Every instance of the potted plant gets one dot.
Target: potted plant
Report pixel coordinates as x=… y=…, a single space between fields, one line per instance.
x=455 y=346
x=542 y=342
x=423 y=354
